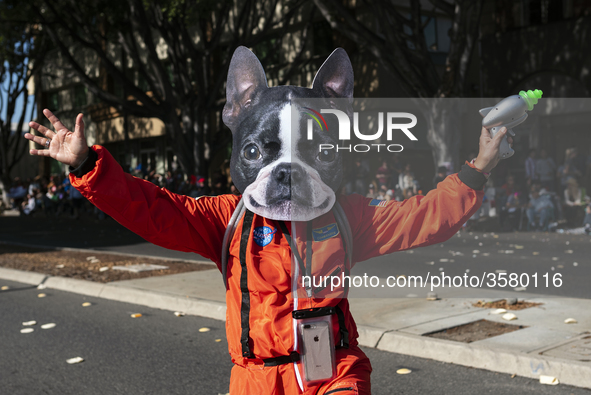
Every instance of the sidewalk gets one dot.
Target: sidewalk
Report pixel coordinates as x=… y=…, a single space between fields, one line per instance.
x=546 y=345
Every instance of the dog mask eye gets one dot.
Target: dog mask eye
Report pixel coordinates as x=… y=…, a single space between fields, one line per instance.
x=326 y=156
x=251 y=152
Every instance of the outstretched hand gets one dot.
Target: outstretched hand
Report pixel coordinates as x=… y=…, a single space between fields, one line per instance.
x=67 y=147
x=488 y=155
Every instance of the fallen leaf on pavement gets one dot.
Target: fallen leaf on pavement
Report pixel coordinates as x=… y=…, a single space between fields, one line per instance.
x=549 y=380
x=75 y=360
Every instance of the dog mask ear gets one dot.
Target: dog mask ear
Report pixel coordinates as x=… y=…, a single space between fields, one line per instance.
x=335 y=77
x=245 y=78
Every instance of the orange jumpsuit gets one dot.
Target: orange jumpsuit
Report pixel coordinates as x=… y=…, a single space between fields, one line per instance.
x=259 y=300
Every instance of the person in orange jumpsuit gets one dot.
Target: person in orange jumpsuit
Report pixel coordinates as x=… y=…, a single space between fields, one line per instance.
x=260 y=302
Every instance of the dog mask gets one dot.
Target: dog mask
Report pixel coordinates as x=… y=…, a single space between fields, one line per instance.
x=282 y=175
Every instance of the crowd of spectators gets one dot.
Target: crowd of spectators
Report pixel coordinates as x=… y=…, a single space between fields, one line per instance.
x=55 y=196
x=552 y=196
x=392 y=180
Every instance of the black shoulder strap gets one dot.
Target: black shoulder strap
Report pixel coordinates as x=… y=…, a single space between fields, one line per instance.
x=245 y=305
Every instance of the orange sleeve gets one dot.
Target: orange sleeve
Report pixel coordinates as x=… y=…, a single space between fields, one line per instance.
x=161 y=217
x=415 y=222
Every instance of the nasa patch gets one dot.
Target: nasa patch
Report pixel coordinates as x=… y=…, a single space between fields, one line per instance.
x=263 y=235
x=326 y=232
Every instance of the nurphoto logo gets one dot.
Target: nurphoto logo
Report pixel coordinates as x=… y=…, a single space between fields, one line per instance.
x=345 y=130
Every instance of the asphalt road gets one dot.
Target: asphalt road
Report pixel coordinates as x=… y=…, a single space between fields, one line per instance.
x=512 y=252
x=160 y=353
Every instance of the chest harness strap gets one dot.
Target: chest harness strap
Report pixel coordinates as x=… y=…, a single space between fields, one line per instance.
x=241 y=211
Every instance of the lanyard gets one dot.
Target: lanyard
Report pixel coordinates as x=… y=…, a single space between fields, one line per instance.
x=307 y=266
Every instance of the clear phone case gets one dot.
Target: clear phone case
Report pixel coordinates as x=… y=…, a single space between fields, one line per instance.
x=317 y=349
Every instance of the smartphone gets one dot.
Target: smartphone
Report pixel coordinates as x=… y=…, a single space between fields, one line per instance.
x=318 y=358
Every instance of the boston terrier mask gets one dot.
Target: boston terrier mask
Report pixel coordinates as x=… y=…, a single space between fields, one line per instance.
x=282 y=174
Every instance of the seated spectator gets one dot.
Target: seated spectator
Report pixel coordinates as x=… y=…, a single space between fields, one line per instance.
x=510 y=211
x=390 y=195
x=28 y=205
x=574 y=200
x=539 y=208
x=372 y=192
x=382 y=193
x=17 y=193
x=407 y=183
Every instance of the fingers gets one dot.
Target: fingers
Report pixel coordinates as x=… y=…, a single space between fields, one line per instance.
x=54 y=120
x=41 y=129
x=79 y=129
x=484 y=132
x=38 y=139
x=499 y=136
x=40 y=152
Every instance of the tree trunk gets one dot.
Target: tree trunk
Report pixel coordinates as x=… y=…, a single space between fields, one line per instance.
x=444 y=131
x=4 y=185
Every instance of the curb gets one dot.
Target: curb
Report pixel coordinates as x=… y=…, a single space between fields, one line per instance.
x=530 y=365
x=158 y=300
x=95 y=251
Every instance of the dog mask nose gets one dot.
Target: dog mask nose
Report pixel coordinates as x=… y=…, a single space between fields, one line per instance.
x=287 y=173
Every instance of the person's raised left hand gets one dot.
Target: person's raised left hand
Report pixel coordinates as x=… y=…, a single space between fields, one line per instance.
x=488 y=155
